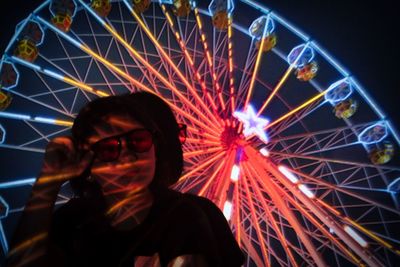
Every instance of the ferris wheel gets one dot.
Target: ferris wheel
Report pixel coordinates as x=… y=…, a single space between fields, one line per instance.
x=303 y=163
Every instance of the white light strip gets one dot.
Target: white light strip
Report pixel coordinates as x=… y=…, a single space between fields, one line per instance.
x=303 y=188
x=227 y=210
x=288 y=174
x=45 y=120
x=53 y=74
x=235 y=173
x=15 y=116
x=264 y=151
x=355 y=236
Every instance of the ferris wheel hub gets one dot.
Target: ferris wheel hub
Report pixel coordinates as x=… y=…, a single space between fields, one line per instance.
x=229 y=137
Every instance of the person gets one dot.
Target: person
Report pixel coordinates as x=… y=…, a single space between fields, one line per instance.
x=124 y=154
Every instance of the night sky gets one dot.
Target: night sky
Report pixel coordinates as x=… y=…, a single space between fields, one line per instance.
x=361 y=35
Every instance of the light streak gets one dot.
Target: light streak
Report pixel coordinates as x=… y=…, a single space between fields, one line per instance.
x=328 y=234
x=272 y=219
x=272 y=191
x=324 y=217
x=216 y=84
x=235 y=173
x=200 y=152
x=288 y=174
x=227 y=210
x=28 y=243
x=199 y=167
x=264 y=151
x=202 y=141
x=305 y=104
x=3 y=240
x=22 y=182
x=372 y=235
x=169 y=60
x=237 y=214
x=277 y=87
x=189 y=59
x=355 y=236
x=256 y=67
x=282 y=80
x=256 y=224
x=212 y=178
x=17 y=116
x=303 y=188
x=138 y=84
x=59 y=77
x=230 y=65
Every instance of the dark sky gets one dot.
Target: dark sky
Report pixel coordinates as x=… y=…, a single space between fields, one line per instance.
x=361 y=35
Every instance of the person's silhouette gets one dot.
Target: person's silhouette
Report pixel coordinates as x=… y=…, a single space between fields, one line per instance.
x=124 y=153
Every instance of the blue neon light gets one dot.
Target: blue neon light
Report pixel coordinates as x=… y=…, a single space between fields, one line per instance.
x=300 y=55
x=3 y=240
x=394 y=187
x=10 y=115
x=16 y=73
x=321 y=51
x=170 y=2
x=25 y=63
x=4 y=208
x=261 y=27
x=339 y=91
x=25 y=24
x=21 y=182
x=256 y=6
x=252 y=123
x=2 y=134
x=373 y=134
x=221 y=5
x=58 y=31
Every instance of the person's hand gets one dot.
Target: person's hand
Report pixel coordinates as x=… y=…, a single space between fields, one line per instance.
x=63 y=162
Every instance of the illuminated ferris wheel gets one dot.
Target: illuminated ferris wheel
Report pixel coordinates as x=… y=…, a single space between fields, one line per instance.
x=284 y=140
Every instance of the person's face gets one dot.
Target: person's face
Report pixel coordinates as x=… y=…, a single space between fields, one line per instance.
x=124 y=155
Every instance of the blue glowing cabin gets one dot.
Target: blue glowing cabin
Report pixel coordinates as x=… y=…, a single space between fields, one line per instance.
x=262 y=29
x=221 y=11
x=301 y=57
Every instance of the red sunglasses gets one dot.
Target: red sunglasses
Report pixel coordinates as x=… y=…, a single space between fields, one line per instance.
x=109 y=149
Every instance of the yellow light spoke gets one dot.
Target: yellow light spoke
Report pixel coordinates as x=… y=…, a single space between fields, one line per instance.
x=276 y=89
x=254 y=76
x=171 y=64
x=85 y=87
x=212 y=178
x=197 y=74
x=204 y=164
x=203 y=38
